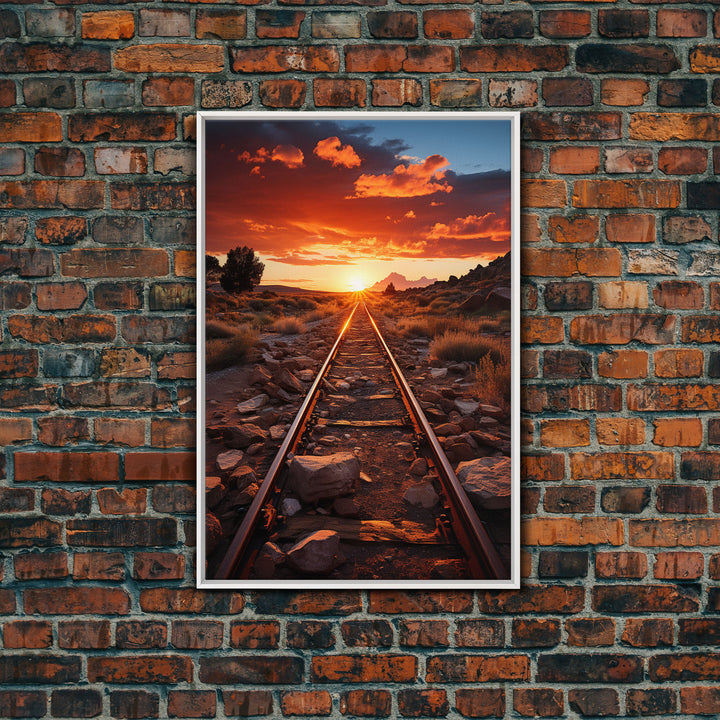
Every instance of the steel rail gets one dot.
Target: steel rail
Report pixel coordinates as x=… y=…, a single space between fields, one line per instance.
x=483 y=557
x=241 y=540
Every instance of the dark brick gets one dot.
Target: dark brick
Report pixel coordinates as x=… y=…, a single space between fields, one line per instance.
x=566 y=564
x=601 y=702
x=703 y=195
x=567 y=364
x=392 y=24
x=607 y=58
x=624 y=500
x=590 y=668
x=49 y=92
x=624 y=23
x=310 y=634
x=135 y=704
x=517 y=24
x=568 y=295
x=367 y=633
x=9 y=24
x=76 y=703
x=653 y=701
x=682 y=93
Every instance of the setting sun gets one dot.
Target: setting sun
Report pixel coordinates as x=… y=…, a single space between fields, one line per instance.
x=357 y=284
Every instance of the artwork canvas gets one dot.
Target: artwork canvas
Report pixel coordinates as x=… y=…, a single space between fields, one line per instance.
x=358 y=350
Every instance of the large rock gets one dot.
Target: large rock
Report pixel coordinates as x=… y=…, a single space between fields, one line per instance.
x=422 y=495
x=229 y=460
x=242 y=477
x=466 y=407
x=314 y=477
x=268 y=560
x=242 y=436
x=259 y=376
x=287 y=381
x=214 y=491
x=253 y=404
x=318 y=554
x=498 y=298
x=487 y=481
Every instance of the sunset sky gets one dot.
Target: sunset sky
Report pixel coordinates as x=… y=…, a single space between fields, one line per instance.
x=338 y=204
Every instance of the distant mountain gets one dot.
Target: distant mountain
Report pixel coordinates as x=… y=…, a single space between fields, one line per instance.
x=401 y=282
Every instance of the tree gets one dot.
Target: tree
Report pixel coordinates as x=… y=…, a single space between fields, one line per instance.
x=242 y=271
x=212 y=265
x=390 y=289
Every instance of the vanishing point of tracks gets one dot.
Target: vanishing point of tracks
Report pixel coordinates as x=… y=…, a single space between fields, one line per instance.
x=377 y=417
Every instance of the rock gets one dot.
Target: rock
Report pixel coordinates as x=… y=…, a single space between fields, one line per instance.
x=259 y=376
x=306 y=375
x=405 y=450
x=498 y=298
x=448 y=429
x=243 y=436
x=431 y=396
x=346 y=507
x=277 y=432
x=214 y=491
x=242 y=477
x=268 y=560
x=255 y=449
x=487 y=422
x=328 y=476
x=438 y=372
x=229 y=460
x=213 y=532
x=269 y=417
x=342 y=385
x=247 y=495
x=466 y=407
x=460 y=450
x=301 y=362
x=487 y=482
x=492 y=411
x=318 y=554
x=253 y=404
x=287 y=381
x=435 y=415
x=422 y=495
x=290 y=506
x=419 y=467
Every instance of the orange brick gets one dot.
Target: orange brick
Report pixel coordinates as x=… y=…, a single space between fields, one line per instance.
x=116 y=431
x=620 y=565
x=573 y=229
x=620 y=431
x=573 y=531
x=624 y=93
x=630 y=228
x=170 y=58
x=623 y=294
x=678 y=565
x=623 y=364
x=108 y=25
x=574 y=160
x=543 y=193
x=564 y=433
x=683 y=432
x=630 y=193
x=15 y=430
x=681 y=362
x=542 y=330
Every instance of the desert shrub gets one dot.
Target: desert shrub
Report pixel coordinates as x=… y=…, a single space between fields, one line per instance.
x=461 y=345
x=219 y=330
x=224 y=352
x=492 y=379
x=305 y=303
x=289 y=326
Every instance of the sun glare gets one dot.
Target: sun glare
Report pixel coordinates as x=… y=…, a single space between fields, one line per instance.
x=357 y=284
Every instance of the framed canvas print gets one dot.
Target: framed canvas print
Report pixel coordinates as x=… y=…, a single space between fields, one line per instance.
x=358 y=335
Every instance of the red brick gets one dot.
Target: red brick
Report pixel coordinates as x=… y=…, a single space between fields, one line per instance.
x=671 y=432
x=158 y=566
x=254 y=634
x=248 y=702
x=448 y=24
x=630 y=228
x=685 y=532
x=423 y=703
x=393 y=92
x=335 y=92
x=681 y=23
x=120 y=431
x=381 y=601
x=623 y=364
x=651 y=702
x=513 y=58
x=538 y=702
x=134 y=634
x=533 y=599
x=628 y=160
x=535 y=633
x=626 y=194
x=86 y=634
x=62 y=430
x=480 y=702
x=624 y=93
x=27 y=634
x=537 y=329
x=573 y=229
x=565 y=23
x=60 y=162
x=679 y=295
x=99 y=566
x=222 y=24
x=590 y=632
x=679 y=363
x=620 y=329
x=640 y=465
x=77 y=600
x=456 y=93
x=282 y=93
x=699 y=700
x=61 y=296
x=574 y=161
x=57 y=501
x=168 y=91
x=30 y=127
x=52 y=194
x=661 y=127
x=572 y=531
x=366 y=703
x=191 y=704
x=480 y=633
x=423 y=633
x=243 y=669
x=620 y=565
x=146 y=669
x=565 y=262
x=197 y=634
x=121 y=127
x=76 y=703
x=66 y=467
x=312 y=702
x=678 y=566
x=169 y=58
x=682 y=160
x=115 y=263
x=128 y=502
x=477 y=668
x=564 y=432
x=190 y=601
x=36 y=669
x=279 y=58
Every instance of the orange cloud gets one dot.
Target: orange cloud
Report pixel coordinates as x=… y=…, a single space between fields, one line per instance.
x=405 y=181
x=472 y=226
x=332 y=150
x=289 y=155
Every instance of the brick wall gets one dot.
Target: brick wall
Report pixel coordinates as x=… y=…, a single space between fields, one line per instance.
x=618 y=615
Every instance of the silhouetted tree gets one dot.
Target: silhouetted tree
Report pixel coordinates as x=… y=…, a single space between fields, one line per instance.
x=390 y=289
x=242 y=271
x=212 y=264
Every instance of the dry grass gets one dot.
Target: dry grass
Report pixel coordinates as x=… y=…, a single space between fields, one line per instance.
x=227 y=346
x=492 y=379
x=432 y=325
x=290 y=325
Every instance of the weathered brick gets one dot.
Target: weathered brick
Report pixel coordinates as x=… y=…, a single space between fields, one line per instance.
x=574 y=92
x=108 y=25
x=480 y=702
x=575 y=160
x=231 y=670
x=44 y=57
x=52 y=92
x=623 y=23
x=476 y=668
x=456 y=93
x=221 y=24
x=108 y=93
x=448 y=24
x=620 y=565
x=98 y=566
x=513 y=58
x=682 y=160
x=76 y=703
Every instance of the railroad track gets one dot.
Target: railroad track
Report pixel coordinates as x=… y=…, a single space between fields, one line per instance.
x=361 y=402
